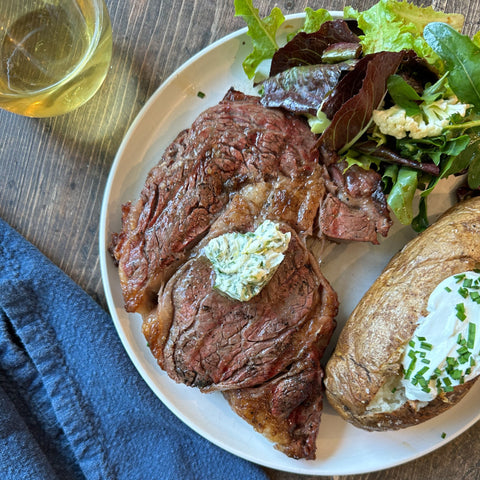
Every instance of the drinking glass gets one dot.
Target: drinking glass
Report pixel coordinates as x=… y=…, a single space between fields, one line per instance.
x=54 y=54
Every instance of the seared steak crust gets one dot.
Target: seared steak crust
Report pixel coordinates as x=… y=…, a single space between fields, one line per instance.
x=286 y=409
x=264 y=355
x=355 y=208
x=238 y=165
x=234 y=143
x=216 y=343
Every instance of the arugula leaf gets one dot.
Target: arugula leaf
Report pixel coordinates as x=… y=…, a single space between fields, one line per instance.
x=404 y=95
x=470 y=158
x=462 y=58
x=473 y=176
x=393 y=26
x=262 y=33
x=420 y=222
x=402 y=193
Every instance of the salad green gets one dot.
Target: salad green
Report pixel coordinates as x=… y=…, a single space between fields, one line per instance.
x=436 y=124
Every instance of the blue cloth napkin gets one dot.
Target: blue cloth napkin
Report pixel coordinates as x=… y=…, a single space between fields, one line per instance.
x=72 y=405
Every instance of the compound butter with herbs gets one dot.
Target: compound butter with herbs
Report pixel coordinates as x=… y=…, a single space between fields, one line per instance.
x=245 y=262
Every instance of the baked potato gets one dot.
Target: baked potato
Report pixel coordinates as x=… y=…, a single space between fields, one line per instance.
x=366 y=376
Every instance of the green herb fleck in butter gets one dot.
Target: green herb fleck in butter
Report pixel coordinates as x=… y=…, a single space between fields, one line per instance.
x=245 y=262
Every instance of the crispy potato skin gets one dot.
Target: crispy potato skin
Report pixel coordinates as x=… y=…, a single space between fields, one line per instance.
x=370 y=345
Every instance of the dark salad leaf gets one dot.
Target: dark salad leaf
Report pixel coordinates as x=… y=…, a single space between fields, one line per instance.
x=341 y=51
x=301 y=90
x=307 y=48
x=355 y=105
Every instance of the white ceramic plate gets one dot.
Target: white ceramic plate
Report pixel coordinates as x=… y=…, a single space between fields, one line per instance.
x=342 y=449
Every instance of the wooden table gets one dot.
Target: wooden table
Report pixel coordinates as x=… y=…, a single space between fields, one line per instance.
x=53 y=171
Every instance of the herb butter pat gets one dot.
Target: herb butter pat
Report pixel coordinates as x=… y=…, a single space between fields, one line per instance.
x=445 y=349
x=245 y=262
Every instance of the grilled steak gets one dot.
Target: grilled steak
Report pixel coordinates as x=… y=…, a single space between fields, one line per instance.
x=239 y=164
x=286 y=409
x=355 y=208
x=216 y=343
x=234 y=143
x=264 y=354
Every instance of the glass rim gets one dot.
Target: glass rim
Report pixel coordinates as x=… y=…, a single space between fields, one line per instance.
x=100 y=9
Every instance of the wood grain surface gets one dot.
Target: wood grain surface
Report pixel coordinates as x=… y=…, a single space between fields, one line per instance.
x=53 y=171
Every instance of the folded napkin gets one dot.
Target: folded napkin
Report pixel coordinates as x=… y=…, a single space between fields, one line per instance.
x=72 y=405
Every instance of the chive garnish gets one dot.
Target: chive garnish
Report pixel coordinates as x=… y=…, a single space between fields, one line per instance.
x=426 y=346
x=409 y=371
x=460 y=308
x=475 y=296
x=471 y=335
x=463 y=292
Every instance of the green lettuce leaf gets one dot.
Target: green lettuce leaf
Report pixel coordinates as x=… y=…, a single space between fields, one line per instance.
x=393 y=26
x=314 y=19
x=476 y=39
x=401 y=196
x=262 y=32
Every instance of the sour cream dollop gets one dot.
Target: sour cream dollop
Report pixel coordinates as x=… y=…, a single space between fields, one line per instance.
x=445 y=349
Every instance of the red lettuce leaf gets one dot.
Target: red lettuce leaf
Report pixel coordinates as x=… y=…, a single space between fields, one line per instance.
x=302 y=89
x=351 y=104
x=307 y=48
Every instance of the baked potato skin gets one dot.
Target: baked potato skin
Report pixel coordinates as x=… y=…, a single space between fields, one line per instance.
x=370 y=345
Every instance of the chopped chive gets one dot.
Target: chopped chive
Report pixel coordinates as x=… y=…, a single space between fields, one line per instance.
x=200 y=94
x=409 y=371
x=448 y=289
x=426 y=346
x=471 y=335
x=443 y=435
x=422 y=339
x=456 y=374
x=475 y=296
x=463 y=292
x=426 y=361
x=462 y=350
x=459 y=277
x=460 y=308
x=422 y=371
